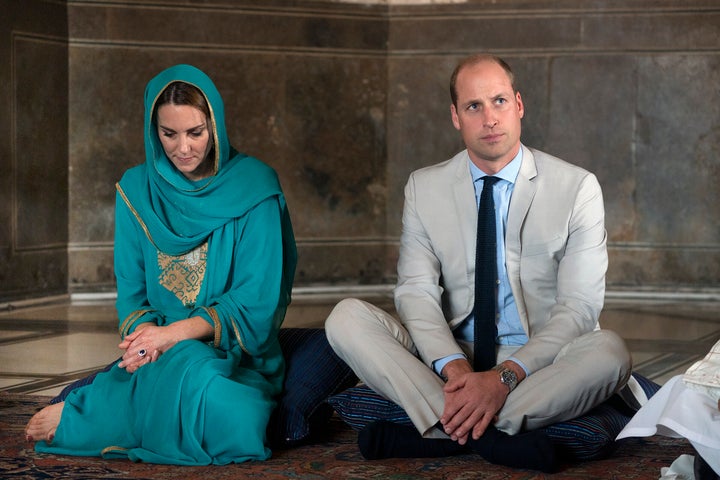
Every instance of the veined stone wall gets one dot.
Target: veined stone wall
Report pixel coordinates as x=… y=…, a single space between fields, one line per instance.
x=344 y=99
x=33 y=149
x=627 y=89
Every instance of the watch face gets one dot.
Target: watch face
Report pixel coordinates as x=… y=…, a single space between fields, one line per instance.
x=509 y=378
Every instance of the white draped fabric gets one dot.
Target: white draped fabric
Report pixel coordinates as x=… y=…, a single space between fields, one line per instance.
x=678 y=411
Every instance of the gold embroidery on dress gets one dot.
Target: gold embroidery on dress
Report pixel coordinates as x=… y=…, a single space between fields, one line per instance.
x=135 y=213
x=239 y=338
x=217 y=326
x=183 y=274
x=131 y=319
x=112 y=449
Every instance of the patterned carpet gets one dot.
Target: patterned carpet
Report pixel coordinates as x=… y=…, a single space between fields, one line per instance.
x=336 y=457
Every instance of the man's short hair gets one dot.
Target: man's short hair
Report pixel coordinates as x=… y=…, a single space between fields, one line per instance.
x=474 y=60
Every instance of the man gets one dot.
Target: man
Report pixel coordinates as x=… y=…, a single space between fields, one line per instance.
x=553 y=361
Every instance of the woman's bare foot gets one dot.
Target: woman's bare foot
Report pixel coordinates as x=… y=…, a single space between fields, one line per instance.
x=43 y=424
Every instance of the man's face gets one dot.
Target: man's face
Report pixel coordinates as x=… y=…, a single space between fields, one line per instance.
x=488 y=115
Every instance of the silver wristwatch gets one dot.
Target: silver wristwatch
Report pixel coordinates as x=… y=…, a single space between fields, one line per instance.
x=507 y=376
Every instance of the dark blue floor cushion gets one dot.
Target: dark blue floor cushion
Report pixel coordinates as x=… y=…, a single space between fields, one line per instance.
x=589 y=437
x=313 y=373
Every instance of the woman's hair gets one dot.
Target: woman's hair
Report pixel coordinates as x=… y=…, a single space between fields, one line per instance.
x=181 y=93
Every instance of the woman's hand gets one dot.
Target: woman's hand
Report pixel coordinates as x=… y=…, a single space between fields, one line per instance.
x=148 y=341
x=144 y=346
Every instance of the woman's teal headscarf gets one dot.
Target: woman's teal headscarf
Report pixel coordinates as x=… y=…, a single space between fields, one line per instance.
x=179 y=214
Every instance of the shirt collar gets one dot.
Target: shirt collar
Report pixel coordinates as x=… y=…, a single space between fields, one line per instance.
x=508 y=173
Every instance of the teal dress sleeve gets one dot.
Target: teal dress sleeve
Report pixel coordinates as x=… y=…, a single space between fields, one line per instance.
x=248 y=312
x=132 y=302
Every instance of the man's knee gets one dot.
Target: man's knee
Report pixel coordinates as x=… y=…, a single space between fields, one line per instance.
x=343 y=319
x=615 y=351
x=615 y=344
x=602 y=350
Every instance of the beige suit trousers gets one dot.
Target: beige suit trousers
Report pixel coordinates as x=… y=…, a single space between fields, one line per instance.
x=381 y=352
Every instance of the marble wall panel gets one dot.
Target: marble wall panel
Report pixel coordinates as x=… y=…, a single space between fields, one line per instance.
x=638 y=266
x=677 y=173
x=345 y=100
x=335 y=261
x=483 y=30
x=34 y=149
x=334 y=162
x=611 y=93
x=41 y=144
x=6 y=132
x=316 y=116
x=591 y=123
x=231 y=25
x=420 y=130
x=695 y=27
x=91 y=267
x=678 y=149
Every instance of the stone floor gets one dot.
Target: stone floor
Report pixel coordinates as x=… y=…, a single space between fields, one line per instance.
x=45 y=346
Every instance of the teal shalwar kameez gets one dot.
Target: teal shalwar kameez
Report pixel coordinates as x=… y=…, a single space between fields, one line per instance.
x=221 y=248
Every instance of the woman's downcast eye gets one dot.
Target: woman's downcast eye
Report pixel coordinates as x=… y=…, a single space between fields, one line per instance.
x=194 y=133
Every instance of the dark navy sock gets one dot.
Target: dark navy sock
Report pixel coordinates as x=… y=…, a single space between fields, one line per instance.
x=392 y=440
x=530 y=450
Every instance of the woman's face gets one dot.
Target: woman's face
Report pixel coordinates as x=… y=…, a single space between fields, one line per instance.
x=185 y=136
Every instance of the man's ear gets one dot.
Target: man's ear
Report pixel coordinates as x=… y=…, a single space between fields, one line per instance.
x=521 y=106
x=454 y=116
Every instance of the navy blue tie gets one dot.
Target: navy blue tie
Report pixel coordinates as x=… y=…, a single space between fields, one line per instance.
x=485 y=280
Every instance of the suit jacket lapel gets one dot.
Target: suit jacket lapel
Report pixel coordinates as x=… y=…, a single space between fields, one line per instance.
x=522 y=197
x=464 y=192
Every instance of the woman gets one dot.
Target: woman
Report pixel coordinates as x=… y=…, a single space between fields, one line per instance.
x=204 y=260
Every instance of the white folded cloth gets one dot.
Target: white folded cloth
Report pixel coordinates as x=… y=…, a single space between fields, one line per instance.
x=704 y=375
x=683 y=468
x=678 y=411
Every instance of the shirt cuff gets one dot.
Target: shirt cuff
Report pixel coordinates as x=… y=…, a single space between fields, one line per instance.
x=522 y=365
x=440 y=363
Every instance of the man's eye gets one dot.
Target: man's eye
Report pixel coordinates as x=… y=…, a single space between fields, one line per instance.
x=472 y=106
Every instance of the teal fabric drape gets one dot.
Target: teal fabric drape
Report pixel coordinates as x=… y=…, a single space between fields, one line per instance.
x=230 y=233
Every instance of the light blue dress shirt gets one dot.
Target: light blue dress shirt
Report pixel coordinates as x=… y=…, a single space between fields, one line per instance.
x=510 y=330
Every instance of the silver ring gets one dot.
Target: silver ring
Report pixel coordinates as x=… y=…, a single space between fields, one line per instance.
x=142 y=353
